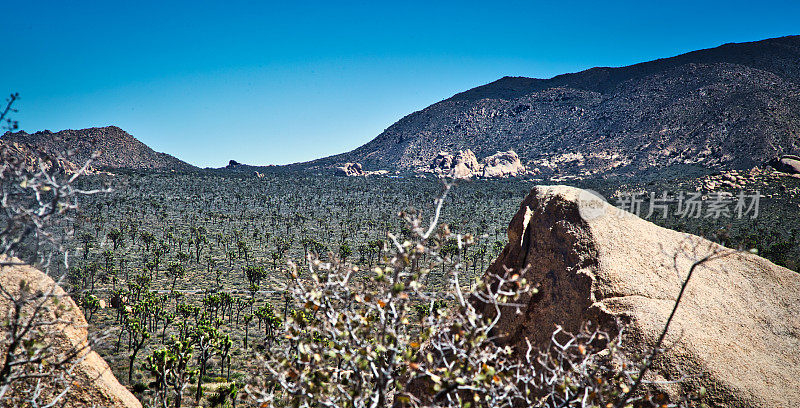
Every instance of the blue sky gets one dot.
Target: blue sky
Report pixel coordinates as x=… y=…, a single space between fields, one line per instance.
x=275 y=83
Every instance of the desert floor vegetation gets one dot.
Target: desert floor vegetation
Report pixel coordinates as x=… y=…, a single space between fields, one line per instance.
x=193 y=278
x=203 y=257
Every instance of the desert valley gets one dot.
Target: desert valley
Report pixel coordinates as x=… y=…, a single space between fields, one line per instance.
x=613 y=237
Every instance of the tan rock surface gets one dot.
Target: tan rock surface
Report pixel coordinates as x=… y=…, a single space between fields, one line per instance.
x=736 y=332
x=93 y=382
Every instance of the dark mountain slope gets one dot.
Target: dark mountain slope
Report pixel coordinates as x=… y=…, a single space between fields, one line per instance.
x=117 y=148
x=732 y=106
x=777 y=55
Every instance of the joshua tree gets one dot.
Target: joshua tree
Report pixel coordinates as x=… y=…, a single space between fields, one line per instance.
x=271 y=322
x=115 y=235
x=199 y=241
x=90 y=304
x=247 y=319
x=169 y=367
x=87 y=240
x=345 y=251
x=254 y=274
x=148 y=239
x=208 y=341
x=175 y=271
x=137 y=338
x=243 y=250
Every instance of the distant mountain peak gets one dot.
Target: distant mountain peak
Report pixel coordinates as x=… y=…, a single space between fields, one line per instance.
x=117 y=148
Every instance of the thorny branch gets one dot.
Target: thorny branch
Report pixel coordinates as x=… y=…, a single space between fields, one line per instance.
x=37 y=194
x=354 y=340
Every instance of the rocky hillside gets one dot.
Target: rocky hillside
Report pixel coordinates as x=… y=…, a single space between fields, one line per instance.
x=733 y=106
x=118 y=149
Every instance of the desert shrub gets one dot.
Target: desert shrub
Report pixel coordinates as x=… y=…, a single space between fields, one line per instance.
x=357 y=341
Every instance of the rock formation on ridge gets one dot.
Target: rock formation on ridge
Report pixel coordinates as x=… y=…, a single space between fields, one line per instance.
x=350 y=170
x=463 y=165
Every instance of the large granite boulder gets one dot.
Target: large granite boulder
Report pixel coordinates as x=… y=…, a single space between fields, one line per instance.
x=502 y=165
x=786 y=164
x=92 y=383
x=736 y=331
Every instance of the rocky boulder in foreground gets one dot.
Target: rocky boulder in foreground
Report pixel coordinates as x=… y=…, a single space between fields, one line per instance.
x=736 y=332
x=92 y=382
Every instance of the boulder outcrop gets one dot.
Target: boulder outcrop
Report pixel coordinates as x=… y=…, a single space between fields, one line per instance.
x=350 y=169
x=502 y=165
x=91 y=381
x=23 y=155
x=463 y=165
x=786 y=164
x=736 y=331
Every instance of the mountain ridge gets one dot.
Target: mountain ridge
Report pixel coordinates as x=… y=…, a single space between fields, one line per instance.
x=745 y=54
x=118 y=148
x=732 y=106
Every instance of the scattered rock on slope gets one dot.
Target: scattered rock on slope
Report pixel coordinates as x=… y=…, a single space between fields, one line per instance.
x=503 y=164
x=93 y=383
x=30 y=158
x=736 y=332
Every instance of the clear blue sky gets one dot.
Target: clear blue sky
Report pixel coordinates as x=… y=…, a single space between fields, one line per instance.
x=274 y=83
